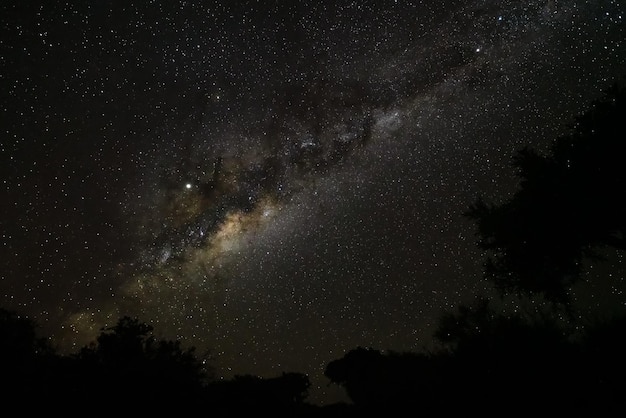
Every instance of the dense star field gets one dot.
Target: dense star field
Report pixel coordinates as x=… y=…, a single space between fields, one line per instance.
x=275 y=182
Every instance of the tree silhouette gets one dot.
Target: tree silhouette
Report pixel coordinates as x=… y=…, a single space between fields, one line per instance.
x=128 y=370
x=23 y=356
x=20 y=342
x=569 y=204
x=604 y=365
x=128 y=365
x=568 y=209
x=510 y=357
x=391 y=383
x=244 y=395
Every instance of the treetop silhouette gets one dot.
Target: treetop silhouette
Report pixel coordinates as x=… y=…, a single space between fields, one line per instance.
x=570 y=203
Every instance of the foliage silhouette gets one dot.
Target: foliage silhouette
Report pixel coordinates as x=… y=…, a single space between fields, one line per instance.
x=496 y=365
x=386 y=383
x=128 y=370
x=569 y=207
x=22 y=356
x=19 y=338
x=570 y=203
x=129 y=363
x=246 y=394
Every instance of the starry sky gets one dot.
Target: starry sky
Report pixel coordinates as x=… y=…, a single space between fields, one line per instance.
x=276 y=182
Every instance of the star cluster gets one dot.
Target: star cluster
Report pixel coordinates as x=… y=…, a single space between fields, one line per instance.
x=276 y=182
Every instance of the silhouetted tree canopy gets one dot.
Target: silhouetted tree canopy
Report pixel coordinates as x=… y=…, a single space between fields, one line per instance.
x=379 y=382
x=128 y=370
x=128 y=364
x=248 y=395
x=19 y=338
x=492 y=365
x=22 y=356
x=569 y=203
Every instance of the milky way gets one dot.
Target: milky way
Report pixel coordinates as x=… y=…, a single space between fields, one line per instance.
x=275 y=183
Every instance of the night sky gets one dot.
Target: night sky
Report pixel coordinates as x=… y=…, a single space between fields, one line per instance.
x=278 y=182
